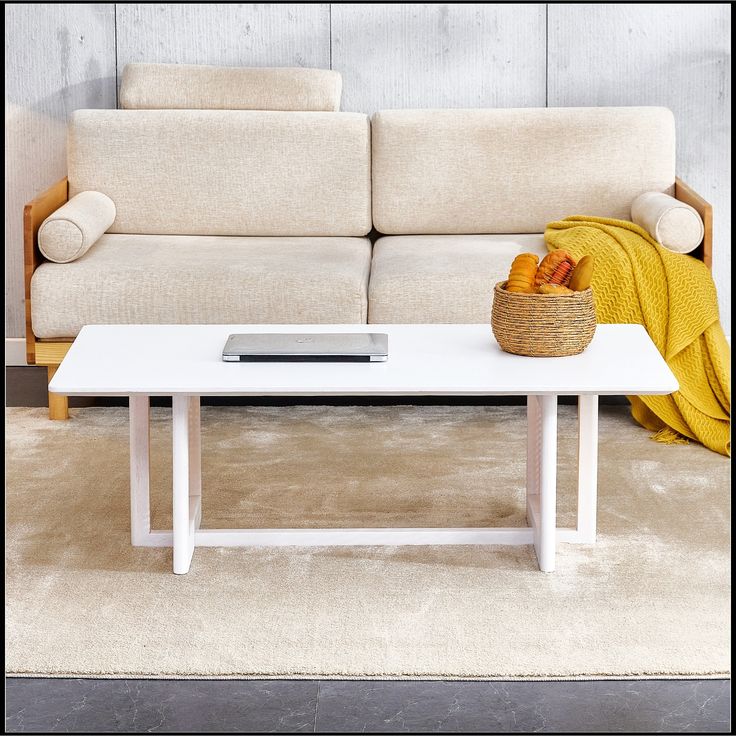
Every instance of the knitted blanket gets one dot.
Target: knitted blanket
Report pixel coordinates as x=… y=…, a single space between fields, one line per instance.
x=636 y=280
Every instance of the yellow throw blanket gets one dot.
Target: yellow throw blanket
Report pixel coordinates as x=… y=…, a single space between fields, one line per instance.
x=636 y=280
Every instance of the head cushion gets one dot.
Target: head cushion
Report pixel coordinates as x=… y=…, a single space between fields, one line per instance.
x=195 y=87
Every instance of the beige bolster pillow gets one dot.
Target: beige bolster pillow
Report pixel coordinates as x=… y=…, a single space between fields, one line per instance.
x=201 y=87
x=74 y=228
x=673 y=224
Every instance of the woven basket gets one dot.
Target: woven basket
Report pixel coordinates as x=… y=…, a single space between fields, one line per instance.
x=542 y=325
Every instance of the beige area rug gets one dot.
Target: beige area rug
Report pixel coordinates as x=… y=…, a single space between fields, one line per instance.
x=651 y=599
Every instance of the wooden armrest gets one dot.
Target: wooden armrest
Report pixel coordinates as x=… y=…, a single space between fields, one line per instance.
x=689 y=196
x=34 y=213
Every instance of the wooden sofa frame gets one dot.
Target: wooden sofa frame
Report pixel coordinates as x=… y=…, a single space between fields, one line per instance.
x=50 y=352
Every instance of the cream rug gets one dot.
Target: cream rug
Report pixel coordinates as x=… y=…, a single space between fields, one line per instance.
x=651 y=599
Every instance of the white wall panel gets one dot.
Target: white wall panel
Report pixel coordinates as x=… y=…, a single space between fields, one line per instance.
x=267 y=34
x=678 y=56
x=57 y=58
x=455 y=55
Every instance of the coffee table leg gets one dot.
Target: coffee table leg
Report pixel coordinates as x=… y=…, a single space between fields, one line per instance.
x=545 y=536
x=533 y=442
x=587 y=467
x=195 y=460
x=140 y=463
x=183 y=531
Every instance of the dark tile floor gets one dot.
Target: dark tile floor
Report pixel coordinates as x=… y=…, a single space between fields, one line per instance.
x=38 y=705
x=308 y=706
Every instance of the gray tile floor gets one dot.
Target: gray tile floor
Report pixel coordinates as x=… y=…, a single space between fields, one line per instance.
x=36 y=705
x=39 y=705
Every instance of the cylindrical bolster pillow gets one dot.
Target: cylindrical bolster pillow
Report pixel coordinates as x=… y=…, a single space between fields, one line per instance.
x=673 y=224
x=73 y=229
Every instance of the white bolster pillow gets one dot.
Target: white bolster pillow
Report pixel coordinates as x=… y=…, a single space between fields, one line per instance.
x=75 y=227
x=673 y=224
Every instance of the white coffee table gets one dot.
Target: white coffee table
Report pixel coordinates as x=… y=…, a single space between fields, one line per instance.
x=184 y=362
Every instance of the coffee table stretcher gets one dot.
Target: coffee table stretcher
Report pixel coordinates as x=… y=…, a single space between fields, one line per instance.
x=541 y=490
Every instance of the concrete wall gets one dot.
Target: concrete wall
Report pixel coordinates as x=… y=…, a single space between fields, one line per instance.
x=62 y=57
x=57 y=58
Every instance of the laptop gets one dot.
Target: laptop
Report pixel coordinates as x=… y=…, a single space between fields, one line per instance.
x=366 y=347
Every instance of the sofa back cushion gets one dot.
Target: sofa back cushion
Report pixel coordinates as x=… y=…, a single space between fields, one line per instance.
x=225 y=172
x=515 y=170
x=200 y=87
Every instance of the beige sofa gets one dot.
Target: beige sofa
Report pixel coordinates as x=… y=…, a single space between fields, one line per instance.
x=248 y=216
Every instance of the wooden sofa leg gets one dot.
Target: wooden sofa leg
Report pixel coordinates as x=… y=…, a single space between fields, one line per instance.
x=58 y=404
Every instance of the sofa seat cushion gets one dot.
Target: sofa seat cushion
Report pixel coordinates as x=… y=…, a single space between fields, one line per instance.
x=441 y=278
x=175 y=279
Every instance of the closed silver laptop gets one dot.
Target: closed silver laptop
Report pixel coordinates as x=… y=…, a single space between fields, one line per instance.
x=325 y=347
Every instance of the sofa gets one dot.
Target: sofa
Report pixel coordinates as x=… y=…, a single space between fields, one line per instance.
x=208 y=213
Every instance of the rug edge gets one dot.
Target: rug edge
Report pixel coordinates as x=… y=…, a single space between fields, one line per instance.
x=726 y=675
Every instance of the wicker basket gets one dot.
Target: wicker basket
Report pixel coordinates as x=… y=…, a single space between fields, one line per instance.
x=542 y=325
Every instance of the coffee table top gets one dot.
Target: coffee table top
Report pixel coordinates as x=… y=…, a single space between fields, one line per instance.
x=444 y=360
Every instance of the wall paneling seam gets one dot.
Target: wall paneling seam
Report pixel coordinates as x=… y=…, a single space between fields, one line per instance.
x=115 y=46
x=546 y=55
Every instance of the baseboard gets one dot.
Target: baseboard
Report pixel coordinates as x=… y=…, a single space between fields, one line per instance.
x=15 y=351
